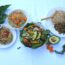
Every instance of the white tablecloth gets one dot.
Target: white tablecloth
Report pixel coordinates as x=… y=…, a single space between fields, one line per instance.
x=35 y=10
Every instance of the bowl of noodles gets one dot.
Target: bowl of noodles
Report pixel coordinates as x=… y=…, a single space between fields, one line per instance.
x=7 y=36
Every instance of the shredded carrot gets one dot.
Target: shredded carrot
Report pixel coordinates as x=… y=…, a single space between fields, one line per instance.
x=17 y=22
x=24 y=18
x=16 y=18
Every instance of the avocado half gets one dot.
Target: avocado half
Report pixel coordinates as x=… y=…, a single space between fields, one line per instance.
x=54 y=39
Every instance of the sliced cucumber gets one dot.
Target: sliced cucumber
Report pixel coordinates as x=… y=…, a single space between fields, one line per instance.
x=54 y=39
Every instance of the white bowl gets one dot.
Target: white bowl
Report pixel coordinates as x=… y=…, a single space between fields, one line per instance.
x=14 y=26
x=13 y=40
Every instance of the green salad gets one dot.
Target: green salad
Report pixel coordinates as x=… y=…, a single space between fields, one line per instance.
x=33 y=36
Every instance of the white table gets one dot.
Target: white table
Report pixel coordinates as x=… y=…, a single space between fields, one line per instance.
x=34 y=9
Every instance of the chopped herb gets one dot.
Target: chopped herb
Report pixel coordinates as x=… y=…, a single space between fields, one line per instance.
x=2 y=13
x=18 y=48
x=3 y=9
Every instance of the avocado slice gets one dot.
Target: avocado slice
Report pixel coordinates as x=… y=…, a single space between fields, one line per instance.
x=54 y=39
x=39 y=35
x=34 y=35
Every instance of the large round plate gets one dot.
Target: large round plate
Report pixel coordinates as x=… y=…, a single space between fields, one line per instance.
x=14 y=38
x=49 y=25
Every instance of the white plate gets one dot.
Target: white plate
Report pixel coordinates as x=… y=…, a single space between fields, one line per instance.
x=49 y=25
x=14 y=37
